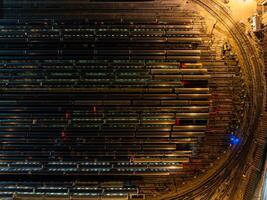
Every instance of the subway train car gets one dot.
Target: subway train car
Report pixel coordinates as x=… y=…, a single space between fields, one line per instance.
x=127 y=100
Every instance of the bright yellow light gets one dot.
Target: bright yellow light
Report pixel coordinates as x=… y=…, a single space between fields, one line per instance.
x=242 y=2
x=242 y=9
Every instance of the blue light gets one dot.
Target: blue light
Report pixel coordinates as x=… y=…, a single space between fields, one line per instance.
x=234 y=139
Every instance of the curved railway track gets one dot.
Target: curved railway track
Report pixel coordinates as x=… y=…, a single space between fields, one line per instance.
x=257 y=99
x=121 y=116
